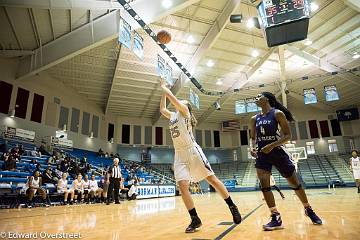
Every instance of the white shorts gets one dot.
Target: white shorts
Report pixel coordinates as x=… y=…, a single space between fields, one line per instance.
x=191 y=164
x=356 y=173
x=64 y=190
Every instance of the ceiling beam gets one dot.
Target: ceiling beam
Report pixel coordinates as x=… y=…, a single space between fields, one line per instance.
x=212 y=35
x=238 y=84
x=90 y=35
x=113 y=80
x=68 y=46
x=319 y=105
x=323 y=64
x=354 y=4
x=15 y=53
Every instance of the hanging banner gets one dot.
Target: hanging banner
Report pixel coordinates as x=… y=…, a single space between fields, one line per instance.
x=251 y=105
x=125 y=33
x=168 y=75
x=331 y=93
x=240 y=107
x=194 y=99
x=138 y=47
x=161 y=67
x=310 y=96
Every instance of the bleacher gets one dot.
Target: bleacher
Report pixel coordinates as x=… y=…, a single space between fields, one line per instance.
x=12 y=182
x=315 y=171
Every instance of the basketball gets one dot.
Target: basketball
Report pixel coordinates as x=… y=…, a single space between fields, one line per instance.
x=164 y=37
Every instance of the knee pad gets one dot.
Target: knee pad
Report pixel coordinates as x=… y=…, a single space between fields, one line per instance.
x=296 y=188
x=267 y=189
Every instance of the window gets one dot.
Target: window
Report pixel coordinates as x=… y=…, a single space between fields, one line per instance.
x=289 y=145
x=333 y=145
x=249 y=154
x=235 y=155
x=310 y=147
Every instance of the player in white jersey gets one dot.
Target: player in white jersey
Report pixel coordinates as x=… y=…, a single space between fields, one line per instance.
x=95 y=191
x=355 y=166
x=62 y=188
x=190 y=163
x=86 y=188
x=78 y=188
x=33 y=186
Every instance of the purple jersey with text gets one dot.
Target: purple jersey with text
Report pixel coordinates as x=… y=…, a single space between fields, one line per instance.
x=267 y=130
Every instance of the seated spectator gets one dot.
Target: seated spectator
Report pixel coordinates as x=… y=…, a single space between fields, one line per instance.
x=32 y=187
x=100 y=153
x=35 y=153
x=10 y=163
x=84 y=167
x=42 y=150
x=73 y=169
x=104 y=184
x=77 y=187
x=52 y=160
x=4 y=147
x=58 y=173
x=15 y=154
x=64 y=165
x=21 y=150
x=86 y=188
x=123 y=189
x=132 y=194
x=5 y=156
x=62 y=188
x=95 y=191
x=106 y=154
x=48 y=176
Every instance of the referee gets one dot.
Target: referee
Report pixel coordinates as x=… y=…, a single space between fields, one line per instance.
x=115 y=178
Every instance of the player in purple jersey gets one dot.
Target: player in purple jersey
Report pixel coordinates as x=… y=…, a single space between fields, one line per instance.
x=266 y=145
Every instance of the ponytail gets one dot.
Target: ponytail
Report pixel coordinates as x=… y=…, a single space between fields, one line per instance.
x=277 y=105
x=193 y=120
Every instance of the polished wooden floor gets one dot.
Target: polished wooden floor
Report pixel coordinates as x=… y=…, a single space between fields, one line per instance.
x=167 y=218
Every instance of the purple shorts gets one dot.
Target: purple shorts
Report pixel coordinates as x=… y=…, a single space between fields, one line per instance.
x=277 y=157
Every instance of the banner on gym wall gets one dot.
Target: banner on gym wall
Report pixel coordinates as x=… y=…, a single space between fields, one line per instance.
x=138 y=47
x=125 y=33
x=61 y=142
x=147 y=191
x=155 y=191
x=166 y=191
x=20 y=134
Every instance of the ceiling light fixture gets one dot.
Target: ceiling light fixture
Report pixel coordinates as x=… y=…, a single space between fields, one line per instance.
x=255 y=53
x=190 y=39
x=250 y=23
x=314 y=7
x=219 y=82
x=308 y=42
x=210 y=63
x=167 y=4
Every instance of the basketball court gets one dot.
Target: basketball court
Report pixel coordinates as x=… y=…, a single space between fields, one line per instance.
x=166 y=218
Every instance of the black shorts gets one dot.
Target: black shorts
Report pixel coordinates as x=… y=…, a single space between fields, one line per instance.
x=86 y=191
x=277 y=157
x=77 y=192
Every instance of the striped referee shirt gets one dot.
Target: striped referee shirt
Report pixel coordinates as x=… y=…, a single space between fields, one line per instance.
x=115 y=172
